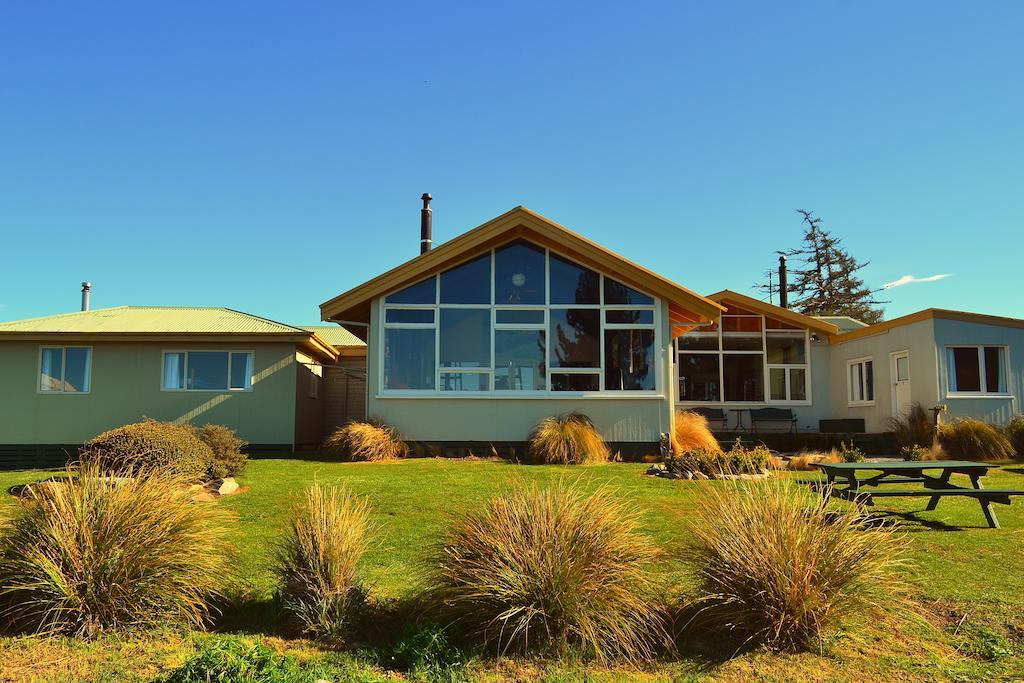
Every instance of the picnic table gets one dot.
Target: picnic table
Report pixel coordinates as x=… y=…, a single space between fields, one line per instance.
x=934 y=474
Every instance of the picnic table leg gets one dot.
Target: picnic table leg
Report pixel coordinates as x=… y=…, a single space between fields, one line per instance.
x=944 y=478
x=986 y=506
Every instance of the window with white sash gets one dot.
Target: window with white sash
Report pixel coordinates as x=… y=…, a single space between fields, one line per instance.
x=207 y=371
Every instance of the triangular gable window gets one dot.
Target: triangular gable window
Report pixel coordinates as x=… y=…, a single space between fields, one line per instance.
x=616 y=293
x=420 y=293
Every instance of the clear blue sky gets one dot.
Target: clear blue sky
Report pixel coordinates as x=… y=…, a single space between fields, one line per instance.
x=268 y=156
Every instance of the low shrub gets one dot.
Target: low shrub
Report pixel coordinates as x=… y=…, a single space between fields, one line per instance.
x=319 y=561
x=551 y=571
x=691 y=433
x=737 y=460
x=914 y=453
x=228 y=458
x=569 y=439
x=235 y=659
x=94 y=553
x=850 y=453
x=370 y=440
x=148 y=445
x=970 y=439
x=776 y=569
x=915 y=427
x=1015 y=433
x=426 y=652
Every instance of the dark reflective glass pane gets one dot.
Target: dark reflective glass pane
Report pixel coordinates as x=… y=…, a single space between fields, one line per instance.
x=698 y=377
x=420 y=293
x=575 y=338
x=519 y=360
x=993 y=369
x=519 y=274
x=573 y=284
x=618 y=293
x=519 y=317
x=241 y=370
x=76 y=374
x=409 y=315
x=408 y=359
x=207 y=370
x=51 y=370
x=465 y=337
x=785 y=349
x=743 y=377
x=630 y=317
x=698 y=342
x=629 y=360
x=469 y=283
x=574 y=382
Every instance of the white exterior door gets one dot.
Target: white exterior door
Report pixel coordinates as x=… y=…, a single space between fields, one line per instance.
x=901 y=383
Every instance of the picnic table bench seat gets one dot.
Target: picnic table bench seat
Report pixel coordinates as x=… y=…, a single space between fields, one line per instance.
x=784 y=415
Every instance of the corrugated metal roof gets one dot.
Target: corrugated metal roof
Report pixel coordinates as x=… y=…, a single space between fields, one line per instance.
x=152 y=320
x=335 y=335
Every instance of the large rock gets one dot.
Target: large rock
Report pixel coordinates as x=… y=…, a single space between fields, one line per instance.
x=227 y=486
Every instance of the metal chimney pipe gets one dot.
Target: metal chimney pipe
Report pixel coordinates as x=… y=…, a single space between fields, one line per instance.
x=783 y=283
x=86 y=287
x=426 y=224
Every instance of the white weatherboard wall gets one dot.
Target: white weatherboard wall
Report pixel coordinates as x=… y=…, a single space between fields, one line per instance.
x=476 y=418
x=997 y=410
x=917 y=338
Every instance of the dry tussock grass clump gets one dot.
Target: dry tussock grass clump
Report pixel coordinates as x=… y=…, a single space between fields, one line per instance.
x=804 y=462
x=913 y=428
x=570 y=439
x=691 y=433
x=776 y=569
x=970 y=439
x=95 y=553
x=549 y=571
x=319 y=561
x=371 y=440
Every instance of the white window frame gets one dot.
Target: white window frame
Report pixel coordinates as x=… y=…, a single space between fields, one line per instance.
x=602 y=393
x=63 y=369
x=864 y=379
x=252 y=378
x=1004 y=352
x=721 y=352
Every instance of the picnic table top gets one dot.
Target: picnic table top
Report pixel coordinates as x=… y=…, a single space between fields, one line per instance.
x=913 y=465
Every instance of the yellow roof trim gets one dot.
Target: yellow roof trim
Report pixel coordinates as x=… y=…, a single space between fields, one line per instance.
x=519 y=222
x=776 y=311
x=929 y=314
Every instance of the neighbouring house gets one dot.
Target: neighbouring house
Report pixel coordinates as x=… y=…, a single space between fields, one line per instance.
x=66 y=378
x=476 y=340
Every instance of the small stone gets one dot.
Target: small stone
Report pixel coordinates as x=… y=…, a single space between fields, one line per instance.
x=227 y=487
x=700 y=475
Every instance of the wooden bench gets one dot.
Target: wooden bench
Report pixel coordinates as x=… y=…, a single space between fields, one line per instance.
x=785 y=415
x=985 y=498
x=711 y=414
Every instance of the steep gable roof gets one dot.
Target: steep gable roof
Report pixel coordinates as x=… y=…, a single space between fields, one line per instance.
x=778 y=312
x=520 y=223
x=163 y=322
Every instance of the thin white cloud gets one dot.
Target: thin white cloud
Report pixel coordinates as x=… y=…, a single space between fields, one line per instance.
x=909 y=279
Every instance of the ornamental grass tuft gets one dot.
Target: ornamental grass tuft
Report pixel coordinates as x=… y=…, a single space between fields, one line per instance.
x=691 y=433
x=1015 y=433
x=970 y=439
x=776 y=569
x=318 y=563
x=569 y=439
x=371 y=440
x=551 y=571
x=913 y=428
x=94 y=553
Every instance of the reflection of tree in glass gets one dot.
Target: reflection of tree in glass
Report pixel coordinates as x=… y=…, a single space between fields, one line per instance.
x=588 y=287
x=577 y=344
x=628 y=364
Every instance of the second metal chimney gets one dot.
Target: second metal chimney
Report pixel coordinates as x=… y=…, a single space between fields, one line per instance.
x=783 y=283
x=426 y=224
x=86 y=287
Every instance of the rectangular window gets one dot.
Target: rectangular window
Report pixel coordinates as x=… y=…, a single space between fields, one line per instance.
x=519 y=360
x=408 y=359
x=743 y=377
x=65 y=369
x=465 y=337
x=575 y=338
x=698 y=377
x=860 y=381
x=977 y=369
x=512 y=316
x=207 y=371
x=629 y=360
x=465 y=381
x=422 y=316
x=565 y=381
x=621 y=317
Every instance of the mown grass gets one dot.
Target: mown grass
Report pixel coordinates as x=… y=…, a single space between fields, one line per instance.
x=967 y=581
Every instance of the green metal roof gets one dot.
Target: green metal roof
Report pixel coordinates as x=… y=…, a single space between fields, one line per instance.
x=152 y=320
x=335 y=335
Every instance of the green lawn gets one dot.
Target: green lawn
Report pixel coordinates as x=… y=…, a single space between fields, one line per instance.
x=967 y=582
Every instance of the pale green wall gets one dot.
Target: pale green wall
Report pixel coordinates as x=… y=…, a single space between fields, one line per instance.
x=512 y=419
x=997 y=410
x=126 y=387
